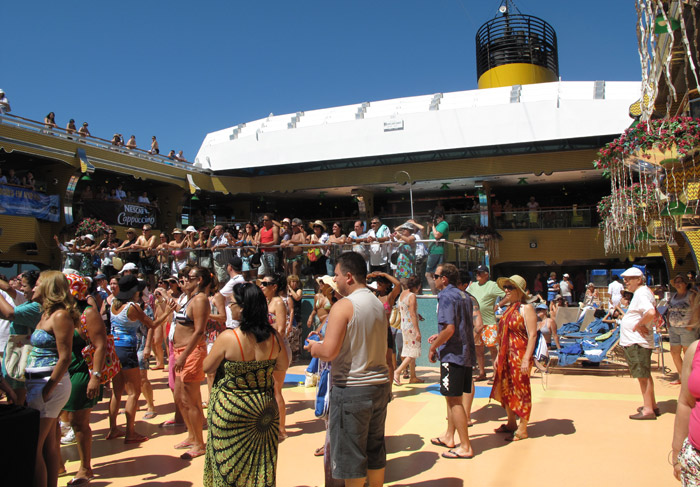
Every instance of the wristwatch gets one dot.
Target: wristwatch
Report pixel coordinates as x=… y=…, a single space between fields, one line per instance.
x=96 y=374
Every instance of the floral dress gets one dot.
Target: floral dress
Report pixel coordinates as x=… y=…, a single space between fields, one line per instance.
x=409 y=331
x=405 y=263
x=511 y=387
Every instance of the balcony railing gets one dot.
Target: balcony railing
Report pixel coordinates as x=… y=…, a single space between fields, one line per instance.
x=571 y=217
x=38 y=127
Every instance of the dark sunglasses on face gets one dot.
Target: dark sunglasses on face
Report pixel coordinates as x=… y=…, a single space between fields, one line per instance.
x=508 y=287
x=266 y=283
x=437 y=276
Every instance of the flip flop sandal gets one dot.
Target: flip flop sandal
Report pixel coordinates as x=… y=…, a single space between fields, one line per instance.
x=503 y=429
x=516 y=437
x=319 y=452
x=184 y=445
x=189 y=455
x=135 y=441
x=439 y=442
x=454 y=455
x=76 y=481
x=150 y=415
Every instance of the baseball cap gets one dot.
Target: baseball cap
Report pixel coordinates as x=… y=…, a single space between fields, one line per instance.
x=482 y=268
x=566 y=275
x=633 y=272
x=129 y=266
x=542 y=306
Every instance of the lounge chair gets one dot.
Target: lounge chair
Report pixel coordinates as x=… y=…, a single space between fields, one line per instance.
x=587 y=348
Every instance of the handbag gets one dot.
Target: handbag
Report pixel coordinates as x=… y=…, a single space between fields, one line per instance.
x=112 y=365
x=16 y=356
x=313 y=254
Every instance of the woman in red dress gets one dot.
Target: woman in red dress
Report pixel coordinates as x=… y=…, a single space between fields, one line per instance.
x=517 y=332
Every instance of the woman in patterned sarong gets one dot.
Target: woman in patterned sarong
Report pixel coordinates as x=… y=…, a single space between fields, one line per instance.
x=243 y=416
x=517 y=331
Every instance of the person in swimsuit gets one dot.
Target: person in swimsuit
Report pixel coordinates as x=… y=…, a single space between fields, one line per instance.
x=387 y=288
x=190 y=349
x=277 y=314
x=126 y=317
x=46 y=375
x=547 y=325
x=179 y=256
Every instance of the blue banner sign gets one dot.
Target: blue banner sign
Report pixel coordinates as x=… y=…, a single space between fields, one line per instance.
x=27 y=202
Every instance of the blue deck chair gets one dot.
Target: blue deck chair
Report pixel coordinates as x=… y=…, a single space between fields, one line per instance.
x=573 y=327
x=594 y=328
x=587 y=348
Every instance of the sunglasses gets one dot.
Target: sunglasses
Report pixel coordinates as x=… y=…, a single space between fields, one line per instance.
x=508 y=287
x=266 y=283
x=438 y=276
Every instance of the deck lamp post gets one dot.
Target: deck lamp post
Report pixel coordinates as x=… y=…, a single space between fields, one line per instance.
x=410 y=183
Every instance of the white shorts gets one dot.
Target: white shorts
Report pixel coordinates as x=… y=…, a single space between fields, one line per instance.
x=58 y=399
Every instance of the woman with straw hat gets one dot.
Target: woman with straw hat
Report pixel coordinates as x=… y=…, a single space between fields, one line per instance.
x=517 y=334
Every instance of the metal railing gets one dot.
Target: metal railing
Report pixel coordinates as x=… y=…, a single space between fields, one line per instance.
x=464 y=253
x=545 y=218
x=91 y=140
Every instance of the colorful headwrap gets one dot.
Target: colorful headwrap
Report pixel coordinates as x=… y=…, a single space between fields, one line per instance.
x=78 y=286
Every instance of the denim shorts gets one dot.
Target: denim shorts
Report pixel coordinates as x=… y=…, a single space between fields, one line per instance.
x=356 y=429
x=434 y=260
x=681 y=336
x=128 y=357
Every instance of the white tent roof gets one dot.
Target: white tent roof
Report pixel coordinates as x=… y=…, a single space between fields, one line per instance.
x=475 y=118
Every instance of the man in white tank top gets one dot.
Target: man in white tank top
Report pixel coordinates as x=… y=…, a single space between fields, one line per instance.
x=356 y=344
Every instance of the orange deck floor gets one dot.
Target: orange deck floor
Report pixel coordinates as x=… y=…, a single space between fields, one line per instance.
x=579 y=436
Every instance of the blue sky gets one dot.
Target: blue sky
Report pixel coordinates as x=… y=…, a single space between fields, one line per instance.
x=179 y=70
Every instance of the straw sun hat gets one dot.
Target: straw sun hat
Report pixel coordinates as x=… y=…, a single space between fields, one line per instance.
x=514 y=280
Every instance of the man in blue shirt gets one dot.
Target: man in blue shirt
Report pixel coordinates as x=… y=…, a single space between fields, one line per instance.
x=454 y=346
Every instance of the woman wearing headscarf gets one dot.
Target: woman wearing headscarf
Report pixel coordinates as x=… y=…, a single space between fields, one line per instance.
x=86 y=384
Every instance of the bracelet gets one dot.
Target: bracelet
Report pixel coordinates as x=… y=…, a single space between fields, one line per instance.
x=670 y=459
x=96 y=374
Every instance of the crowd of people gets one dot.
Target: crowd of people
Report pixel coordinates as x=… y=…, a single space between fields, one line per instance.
x=200 y=305
x=25 y=179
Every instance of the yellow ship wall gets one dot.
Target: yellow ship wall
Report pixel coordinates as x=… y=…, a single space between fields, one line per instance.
x=556 y=246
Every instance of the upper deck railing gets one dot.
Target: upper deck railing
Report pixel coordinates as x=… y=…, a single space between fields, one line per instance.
x=91 y=140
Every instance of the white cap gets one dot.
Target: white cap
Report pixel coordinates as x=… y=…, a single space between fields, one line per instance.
x=129 y=266
x=373 y=285
x=89 y=236
x=633 y=272
x=566 y=275
x=69 y=243
x=190 y=229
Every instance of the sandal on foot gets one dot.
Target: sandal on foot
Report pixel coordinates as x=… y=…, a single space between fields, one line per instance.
x=503 y=429
x=480 y=378
x=516 y=437
x=170 y=424
x=78 y=481
x=134 y=441
x=114 y=436
x=439 y=442
x=189 y=455
x=657 y=411
x=150 y=415
x=453 y=454
x=183 y=445
x=319 y=452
